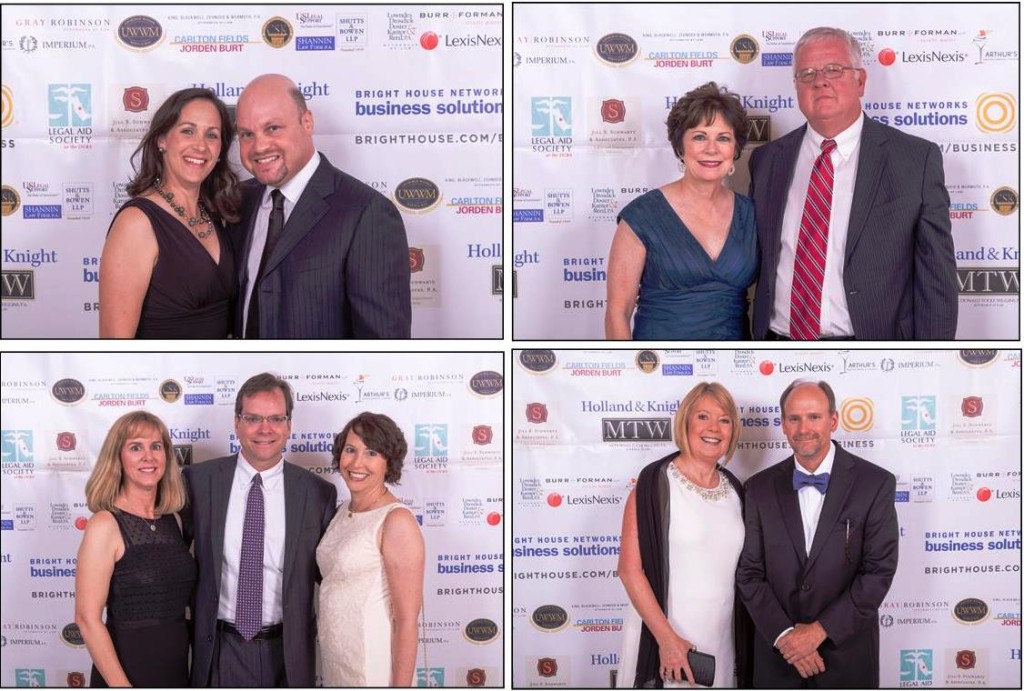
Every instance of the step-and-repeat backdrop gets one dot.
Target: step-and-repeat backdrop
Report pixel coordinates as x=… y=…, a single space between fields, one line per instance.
x=946 y=423
x=406 y=98
x=57 y=409
x=593 y=85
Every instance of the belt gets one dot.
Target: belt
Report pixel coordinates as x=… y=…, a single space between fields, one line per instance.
x=772 y=336
x=264 y=634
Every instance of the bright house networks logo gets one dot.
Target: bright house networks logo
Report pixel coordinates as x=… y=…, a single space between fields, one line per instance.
x=918 y=420
x=551 y=125
x=70 y=105
x=17 y=453
x=916 y=668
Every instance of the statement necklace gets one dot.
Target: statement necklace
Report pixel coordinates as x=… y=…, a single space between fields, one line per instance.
x=202 y=219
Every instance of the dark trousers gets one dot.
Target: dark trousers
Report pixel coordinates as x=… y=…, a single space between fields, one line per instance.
x=256 y=663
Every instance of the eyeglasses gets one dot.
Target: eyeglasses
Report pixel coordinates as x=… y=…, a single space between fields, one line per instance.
x=829 y=71
x=255 y=420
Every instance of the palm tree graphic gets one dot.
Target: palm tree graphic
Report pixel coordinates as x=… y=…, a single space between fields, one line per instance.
x=30 y=677
x=552 y=108
x=918 y=667
x=69 y=95
x=434 y=445
x=16 y=439
x=920 y=407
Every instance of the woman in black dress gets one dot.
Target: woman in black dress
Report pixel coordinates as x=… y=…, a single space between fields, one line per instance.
x=168 y=269
x=133 y=560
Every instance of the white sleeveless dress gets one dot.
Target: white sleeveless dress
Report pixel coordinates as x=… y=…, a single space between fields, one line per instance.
x=705 y=537
x=355 y=602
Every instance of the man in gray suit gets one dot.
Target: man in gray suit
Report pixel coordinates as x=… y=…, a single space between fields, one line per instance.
x=852 y=215
x=320 y=254
x=256 y=521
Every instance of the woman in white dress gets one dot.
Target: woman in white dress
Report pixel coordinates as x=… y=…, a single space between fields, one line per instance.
x=682 y=532
x=371 y=559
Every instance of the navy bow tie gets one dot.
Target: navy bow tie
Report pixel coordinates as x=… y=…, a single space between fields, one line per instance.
x=818 y=482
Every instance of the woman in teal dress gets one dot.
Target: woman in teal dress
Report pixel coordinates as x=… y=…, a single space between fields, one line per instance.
x=684 y=255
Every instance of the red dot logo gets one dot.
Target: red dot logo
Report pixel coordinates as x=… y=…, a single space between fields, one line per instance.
x=429 y=40
x=80 y=522
x=554 y=499
x=493 y=518
x=887 y=56
x=984 y=494
x=767 y=367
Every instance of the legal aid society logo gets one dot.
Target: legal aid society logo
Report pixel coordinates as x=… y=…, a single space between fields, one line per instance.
x=918 y=420
x=431 y=449
x=69 y=109
x=916 y=668
x=17 y=455
x=551 y=130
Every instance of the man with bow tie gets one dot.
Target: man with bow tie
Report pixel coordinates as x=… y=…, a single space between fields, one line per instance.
x=820 y=553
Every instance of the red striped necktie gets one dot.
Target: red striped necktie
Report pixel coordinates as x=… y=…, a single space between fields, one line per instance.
x=811 y=248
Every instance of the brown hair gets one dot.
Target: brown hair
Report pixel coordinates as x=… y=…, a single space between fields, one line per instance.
x=721 y=395
x=701 y=106
x=219 y=192
x=264 y=382
x=829 y=394
x=105 y=482
x=379 y=433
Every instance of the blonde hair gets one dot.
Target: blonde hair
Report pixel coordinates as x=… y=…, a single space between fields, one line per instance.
x=721 y=395
x=105 y=483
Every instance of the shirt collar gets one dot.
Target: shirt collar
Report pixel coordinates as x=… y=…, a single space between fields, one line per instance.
x=846 y=141
x=244 y=472
x=293 y=189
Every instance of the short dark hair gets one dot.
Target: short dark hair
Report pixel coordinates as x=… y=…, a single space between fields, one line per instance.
x=823 y=385
x=265 y=382
x=703 y=105
x=379 y=433
x=219 y=191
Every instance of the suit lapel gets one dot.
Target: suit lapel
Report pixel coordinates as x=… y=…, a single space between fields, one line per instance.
x=294 y=506
x=308 y=211
x=220 y=495
x=871 y=165
x=789 y=508
x=839 y=485
x=251 y=202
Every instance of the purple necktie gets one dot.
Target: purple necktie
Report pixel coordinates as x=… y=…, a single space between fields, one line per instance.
x=249 y=602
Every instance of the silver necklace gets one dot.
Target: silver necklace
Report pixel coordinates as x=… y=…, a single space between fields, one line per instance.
x=202 y=219
x=713 y=494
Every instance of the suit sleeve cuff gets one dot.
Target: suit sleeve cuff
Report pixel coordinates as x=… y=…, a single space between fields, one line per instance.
x=779 y=637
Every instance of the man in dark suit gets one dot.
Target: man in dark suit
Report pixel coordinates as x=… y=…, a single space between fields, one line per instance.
x=819 y=555
x=321 y=254
x=869 y=255
x=256 y=521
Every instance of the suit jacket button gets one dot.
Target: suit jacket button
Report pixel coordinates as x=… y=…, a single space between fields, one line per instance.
x=209 y=639
x=805 y=587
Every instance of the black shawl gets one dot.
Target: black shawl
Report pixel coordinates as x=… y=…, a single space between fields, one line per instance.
x=652 y=519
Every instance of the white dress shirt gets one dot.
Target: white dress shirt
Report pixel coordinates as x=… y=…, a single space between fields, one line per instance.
x=273 y=541
x=811 y=501
x=291 y=190
x=835 y=314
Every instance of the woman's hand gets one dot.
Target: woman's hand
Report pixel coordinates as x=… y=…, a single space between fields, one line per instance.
x=674 y=664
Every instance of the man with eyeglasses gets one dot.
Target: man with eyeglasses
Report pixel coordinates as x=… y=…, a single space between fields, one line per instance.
x=852 y=215
x=256 y=521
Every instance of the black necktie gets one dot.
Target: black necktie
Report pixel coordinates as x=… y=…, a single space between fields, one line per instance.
x=252 y=324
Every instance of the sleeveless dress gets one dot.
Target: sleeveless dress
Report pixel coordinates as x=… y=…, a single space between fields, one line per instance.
x=683 y=293
x=705 y=537
x=189 y=295
x=149 y=591
x=355 y=603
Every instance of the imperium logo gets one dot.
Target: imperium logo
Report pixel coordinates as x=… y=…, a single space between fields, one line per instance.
x=19 y=285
